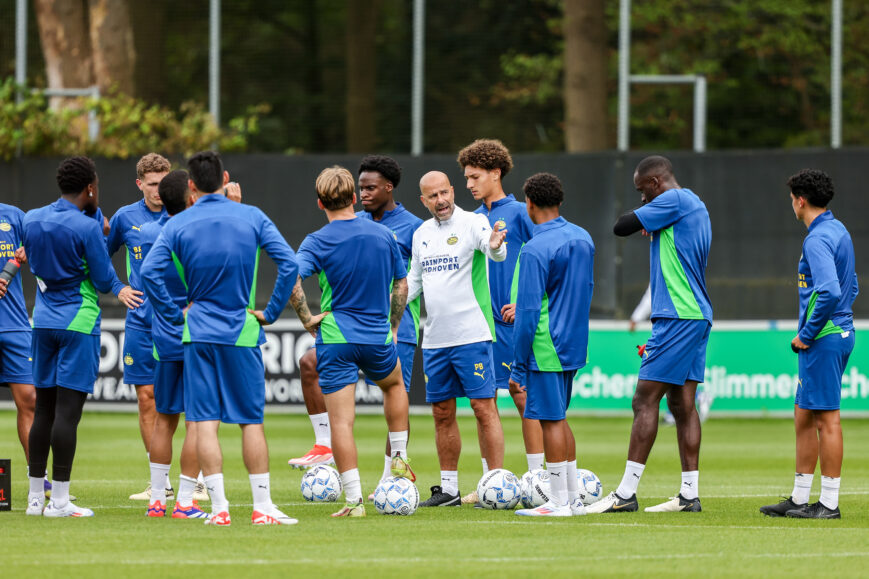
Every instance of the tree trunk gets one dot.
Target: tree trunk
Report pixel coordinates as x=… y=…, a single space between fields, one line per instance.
x=361 y=30
x=114 y=53
x=585 y=70
x=63 y=32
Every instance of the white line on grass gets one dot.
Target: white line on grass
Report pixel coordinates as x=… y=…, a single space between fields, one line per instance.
x=685 y=526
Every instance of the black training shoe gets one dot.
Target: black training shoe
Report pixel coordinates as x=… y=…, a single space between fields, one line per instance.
x=613 y=503
x=814 y=511
x=781 y=509
x=441 y=499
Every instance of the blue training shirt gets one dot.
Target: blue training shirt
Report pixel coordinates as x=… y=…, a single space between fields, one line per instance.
x=166 y=336
x=357 y=261
x=512 y=217
x=680 y=234
x=13 y=310
x=215 y=247
x=124 y=227
x=402 y=223
x=67 y=254
x=553 y=299
x=827 y=280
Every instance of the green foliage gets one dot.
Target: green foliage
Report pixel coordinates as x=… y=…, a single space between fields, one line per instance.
x=129 y=127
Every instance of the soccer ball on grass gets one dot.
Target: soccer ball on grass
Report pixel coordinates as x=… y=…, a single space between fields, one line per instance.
x=396 y=496
x=321 y=484
x=499 y=489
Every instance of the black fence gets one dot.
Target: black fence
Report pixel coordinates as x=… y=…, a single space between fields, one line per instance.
x=755 y=244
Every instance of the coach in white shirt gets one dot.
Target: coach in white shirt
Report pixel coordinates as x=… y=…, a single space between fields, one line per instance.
x=449 y=265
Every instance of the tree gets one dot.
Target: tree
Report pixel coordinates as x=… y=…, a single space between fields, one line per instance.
x=362 y=18
x=585 y=75
x=86 y=43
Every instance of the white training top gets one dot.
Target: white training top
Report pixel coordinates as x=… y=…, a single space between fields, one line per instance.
x=449 y=266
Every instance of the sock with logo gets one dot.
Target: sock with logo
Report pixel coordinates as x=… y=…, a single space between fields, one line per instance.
x=535 y=461
x=262 y=494
x=830 y=491
x=214 y=484
x=322 y=431
x=159 y=472
x=450 y=482
x=630 y=480
x=802 y=488
x=688 y=490
x=558 y=482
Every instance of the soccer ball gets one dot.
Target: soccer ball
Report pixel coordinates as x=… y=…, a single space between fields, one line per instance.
x=499 y=489
x=396 y=496
x=535 y=491
x=590 y=487
x=321 y=484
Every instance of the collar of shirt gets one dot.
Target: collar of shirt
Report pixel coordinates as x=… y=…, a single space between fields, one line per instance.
x=64 y=205
x=456 y=211
x=498 y=203
x=551 y=224
x=825 y=216
x=212 y=198
x=144 y=205
x=387 y=214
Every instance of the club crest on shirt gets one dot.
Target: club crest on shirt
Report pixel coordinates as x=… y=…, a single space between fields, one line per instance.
x=452 y=239
x=5 y=226
x=502 y=225
x=128 y=360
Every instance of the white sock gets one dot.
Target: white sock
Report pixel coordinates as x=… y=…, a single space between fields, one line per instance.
x=688 y=490
x=214 y=483
x=450 y=481
x=398 y=443
x=630 y=480
x=168 y=481
x=186 y=486
x=535 y=461
x=352 y=485
x=485 y=465
x=572 y=482
x=60 y=493
x=830 y=491
x=322 y=432
x=558 y=482
x=262 y=494
x=159 y=482
x=802 y=488
x=37 y=487
x=387 y=468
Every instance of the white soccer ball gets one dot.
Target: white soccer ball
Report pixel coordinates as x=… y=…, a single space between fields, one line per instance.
x=536 y=489
x=499 y=489
x=321 y=484
x=590 y=487
x=396 y=496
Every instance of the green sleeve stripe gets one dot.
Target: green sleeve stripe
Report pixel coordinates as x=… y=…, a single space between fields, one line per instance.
x=514 y=284
x=678 y=287
x=543 y=347
x=249 y=335
x=480 y=283
x=185 y=336
x=329 y=330
x=129 y=268
x=86 y=317
x=829 y=327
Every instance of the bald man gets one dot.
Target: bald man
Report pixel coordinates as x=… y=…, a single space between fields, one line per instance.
x=449 y=265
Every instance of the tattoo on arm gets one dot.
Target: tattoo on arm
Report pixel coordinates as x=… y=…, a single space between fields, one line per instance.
x=300 y=302
x=399 y=301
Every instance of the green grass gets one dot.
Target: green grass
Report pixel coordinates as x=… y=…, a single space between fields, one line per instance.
x=744 y=464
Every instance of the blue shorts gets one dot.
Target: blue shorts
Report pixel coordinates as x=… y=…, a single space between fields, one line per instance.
x=138 y=357
x=502 y=352
x=820 y=372
x=676 y=351
x=225 y=383
x=65 y=358
x=169 y=387
x=406 y=352
x=457 y=371
x=548 y=394
x=338 y=364
x=16 y=364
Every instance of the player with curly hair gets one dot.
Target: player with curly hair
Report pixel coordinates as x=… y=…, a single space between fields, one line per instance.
x=485 y=163
x=827 y=284
x=67 y=254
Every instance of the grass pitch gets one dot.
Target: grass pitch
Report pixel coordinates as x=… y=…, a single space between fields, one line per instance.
x=744 y=464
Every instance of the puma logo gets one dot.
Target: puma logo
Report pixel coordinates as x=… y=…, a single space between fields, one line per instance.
x=480 y=374
x=636 y=475
x=321 y=424
x=506 y=365
x=264 y=487
x=688 y=484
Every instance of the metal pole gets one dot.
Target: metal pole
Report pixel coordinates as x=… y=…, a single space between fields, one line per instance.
x=836 y=77
x=700 y=113
x=624 y=73
x=20 y=47
x=418 y=82
x=214 y=61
